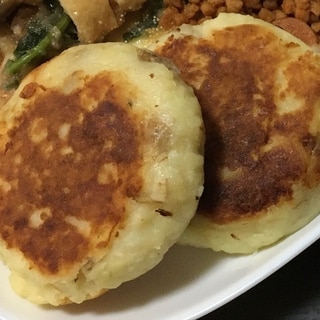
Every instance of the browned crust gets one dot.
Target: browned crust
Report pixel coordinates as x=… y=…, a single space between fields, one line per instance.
x=60 y=174
x=234 y=76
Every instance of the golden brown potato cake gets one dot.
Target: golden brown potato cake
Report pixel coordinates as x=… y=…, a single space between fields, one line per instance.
x=101 y=170
x=258 y=87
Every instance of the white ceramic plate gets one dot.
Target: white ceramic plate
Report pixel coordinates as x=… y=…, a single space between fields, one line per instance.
x=188 y=284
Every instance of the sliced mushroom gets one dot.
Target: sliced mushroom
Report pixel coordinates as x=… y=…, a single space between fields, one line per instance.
x=96 y=18
x=7 y=5
x=130 y=5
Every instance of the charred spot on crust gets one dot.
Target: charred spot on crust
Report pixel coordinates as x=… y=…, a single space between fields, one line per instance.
x=67 y=173
x=256 y=149
x=232 y=235
x=164 y=212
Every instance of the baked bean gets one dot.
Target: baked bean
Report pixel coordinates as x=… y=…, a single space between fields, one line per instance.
x=177 y=12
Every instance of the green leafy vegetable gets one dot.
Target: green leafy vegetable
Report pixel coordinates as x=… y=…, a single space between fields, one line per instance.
x=45 y=37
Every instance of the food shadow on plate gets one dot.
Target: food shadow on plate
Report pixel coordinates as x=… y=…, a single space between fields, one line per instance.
x=181 y=266
x=292 y=293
